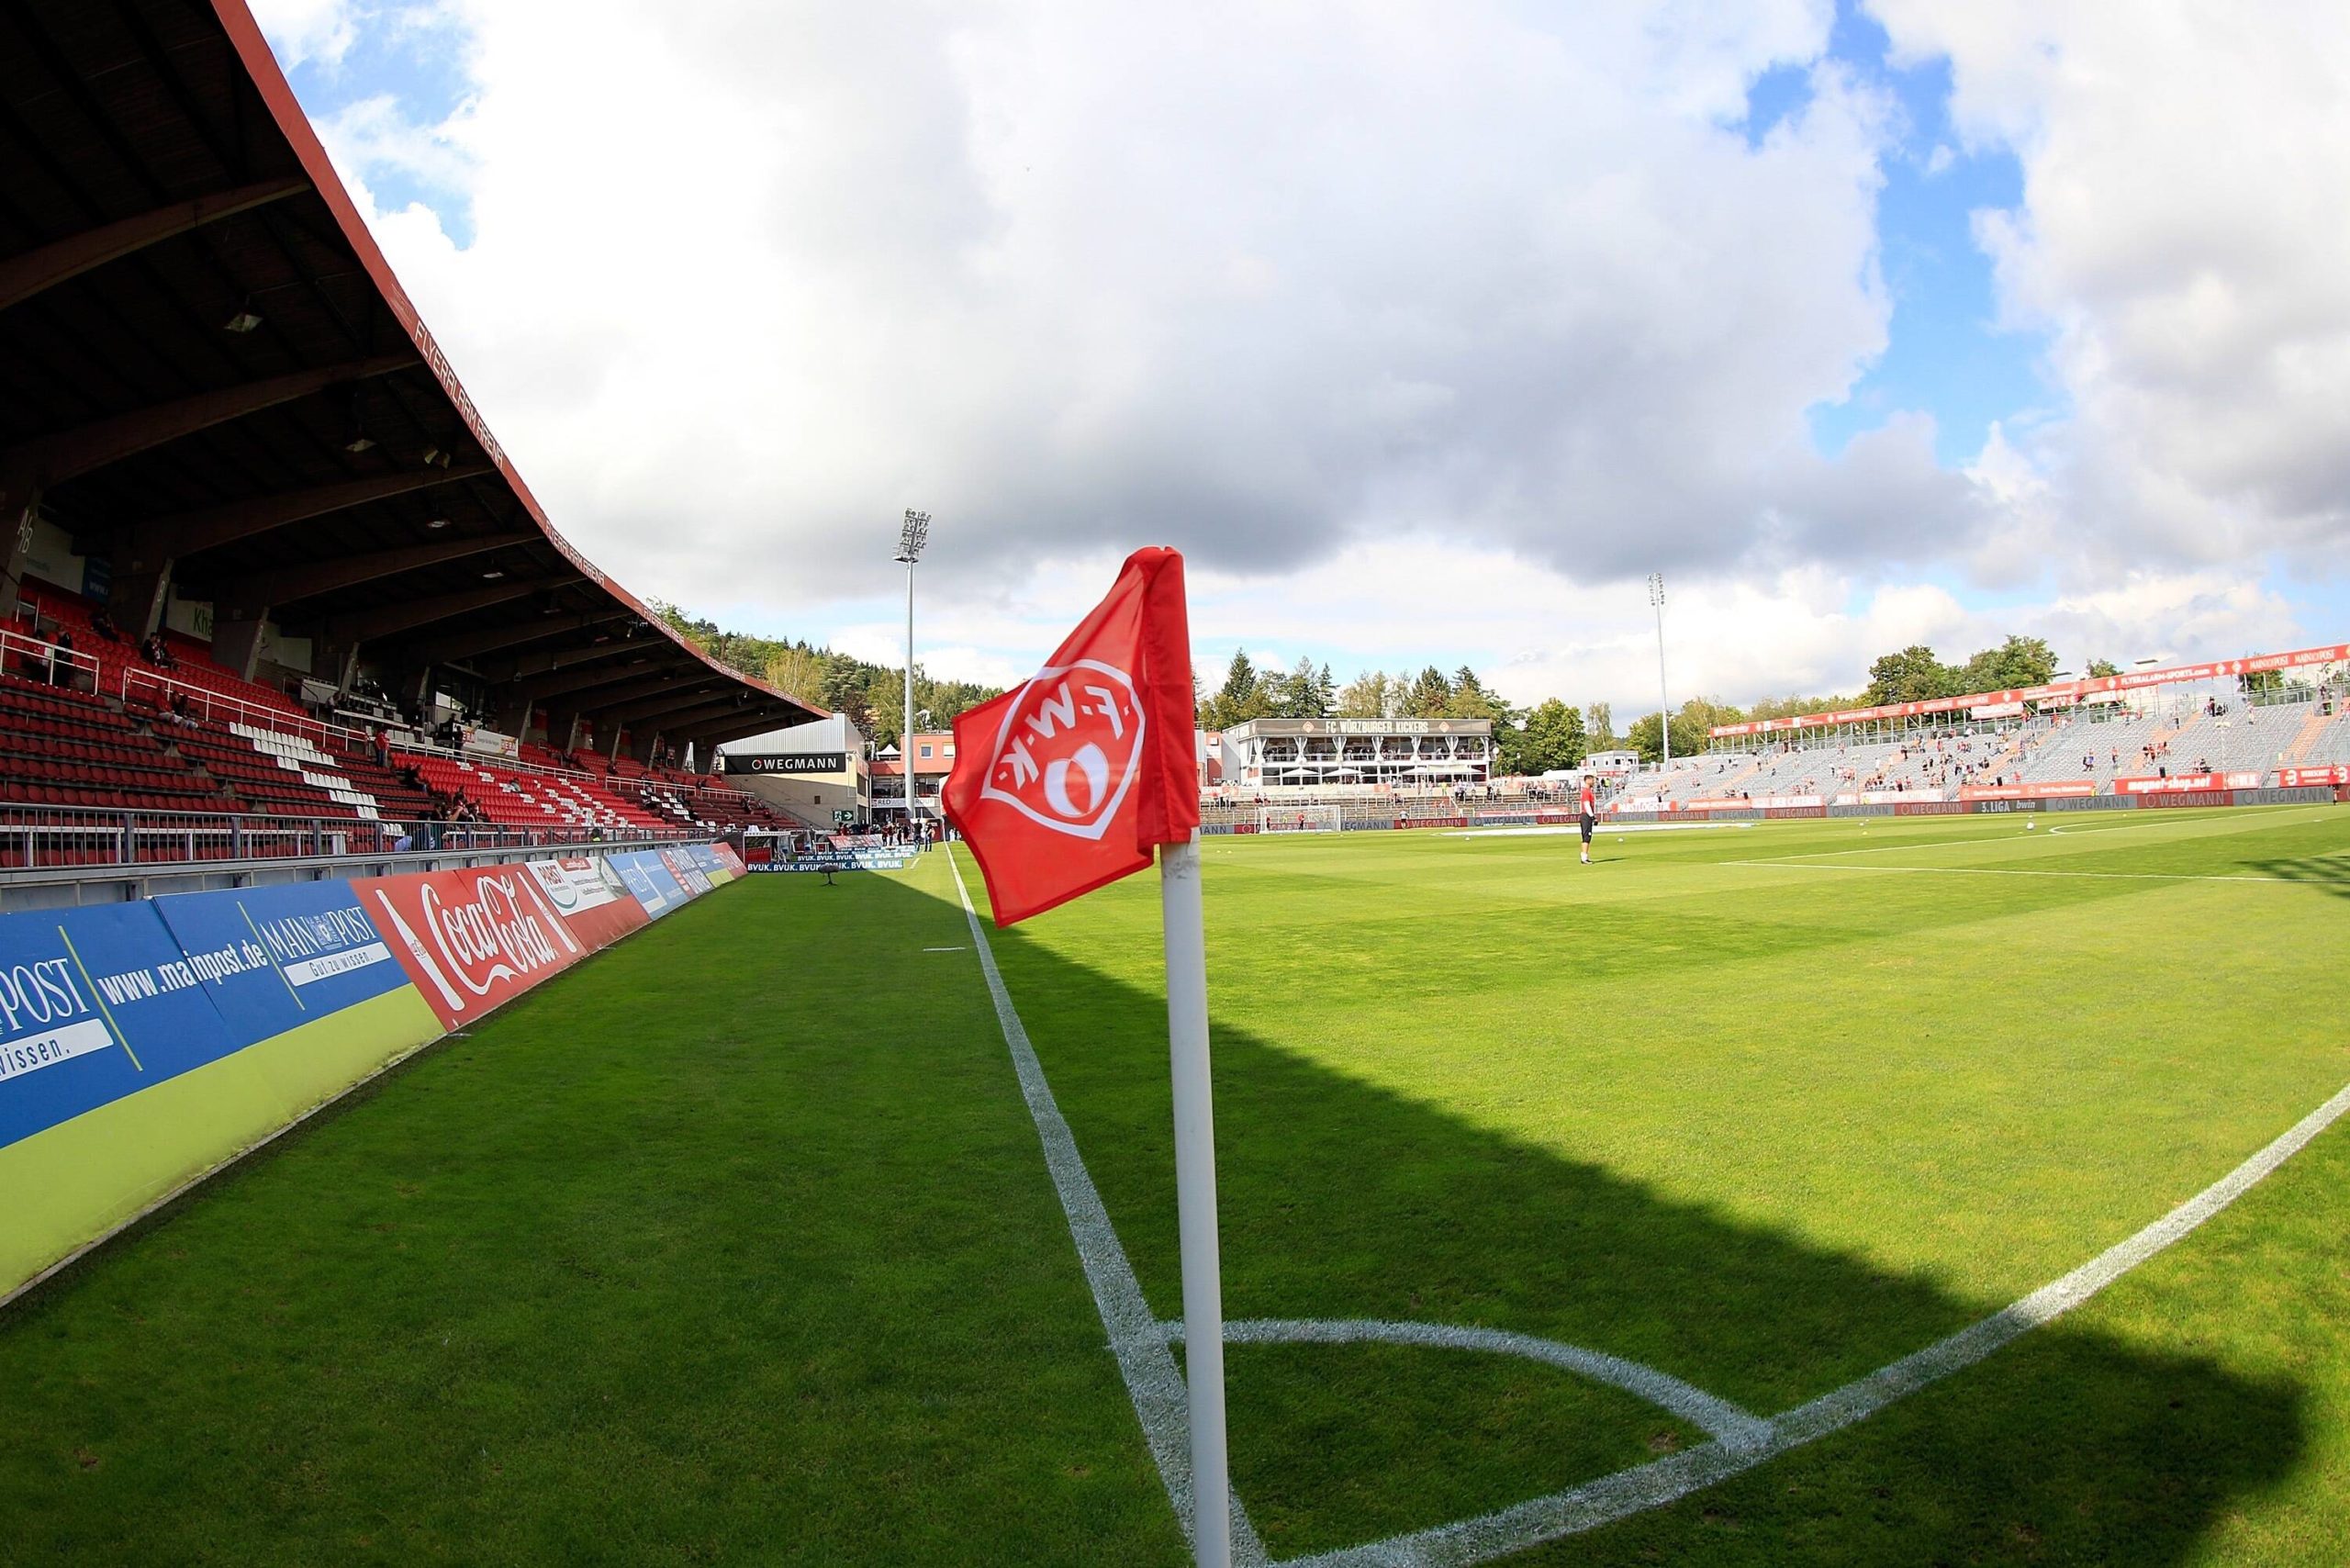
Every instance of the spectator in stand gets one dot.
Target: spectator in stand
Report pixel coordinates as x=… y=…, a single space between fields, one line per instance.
x=183 y=712
x=61 y=659
x=102 y=622
x=156 y=652
x=381 y=742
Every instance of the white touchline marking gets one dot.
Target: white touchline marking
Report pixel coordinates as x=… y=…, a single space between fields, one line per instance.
x=1144 y=1361
x=1743 y=1441
x=957 y=949
x=2023 y=872
x=1628 y=1492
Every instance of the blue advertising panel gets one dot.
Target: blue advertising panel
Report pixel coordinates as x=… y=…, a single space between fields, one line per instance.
x=274 y=958
x=649 y=878
x=95 y=1004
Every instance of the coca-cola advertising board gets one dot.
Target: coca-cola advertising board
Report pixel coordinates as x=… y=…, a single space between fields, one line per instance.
x=473 y=939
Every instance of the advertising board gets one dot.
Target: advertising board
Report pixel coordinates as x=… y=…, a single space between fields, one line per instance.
x=144 y=1044
x=471 y=939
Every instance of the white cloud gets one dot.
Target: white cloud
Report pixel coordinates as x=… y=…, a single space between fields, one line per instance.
x=744 y=279
x=1425 y=330
x=300 y=31
x=2186 y=213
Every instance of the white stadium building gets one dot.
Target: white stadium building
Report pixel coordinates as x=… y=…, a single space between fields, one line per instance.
x=1330 y=753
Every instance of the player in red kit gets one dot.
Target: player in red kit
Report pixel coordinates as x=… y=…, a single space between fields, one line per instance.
x=1589 y=817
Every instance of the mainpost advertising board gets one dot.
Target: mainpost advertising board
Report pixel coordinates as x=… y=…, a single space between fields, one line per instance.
x=144 y=1043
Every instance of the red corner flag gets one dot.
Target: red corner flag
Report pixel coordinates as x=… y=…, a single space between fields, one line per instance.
x=1068 y=782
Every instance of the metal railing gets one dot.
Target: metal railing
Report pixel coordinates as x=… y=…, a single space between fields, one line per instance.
x=59 y=837
x=156 y=688
x=39 y=658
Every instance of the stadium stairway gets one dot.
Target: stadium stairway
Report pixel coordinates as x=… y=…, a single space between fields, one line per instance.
x=2305 y=739
x=314 y=768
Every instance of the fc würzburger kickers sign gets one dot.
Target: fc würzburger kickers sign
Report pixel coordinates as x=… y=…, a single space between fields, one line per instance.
x=1071 y=779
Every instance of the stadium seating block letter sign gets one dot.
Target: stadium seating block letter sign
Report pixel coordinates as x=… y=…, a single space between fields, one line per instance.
x=1069 y=780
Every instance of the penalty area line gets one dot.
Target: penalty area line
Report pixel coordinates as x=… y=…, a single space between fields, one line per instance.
x=2017 y=871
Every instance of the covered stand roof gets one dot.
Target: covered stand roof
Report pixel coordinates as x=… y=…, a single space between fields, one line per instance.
x=209 y=375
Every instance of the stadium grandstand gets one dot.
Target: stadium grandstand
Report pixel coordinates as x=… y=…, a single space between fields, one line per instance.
x=273 y=588
x=2208 y=733
x=2262 y=721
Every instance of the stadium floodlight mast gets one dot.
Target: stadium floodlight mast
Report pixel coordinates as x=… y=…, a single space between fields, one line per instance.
x=912 y=534
x=1664 y=702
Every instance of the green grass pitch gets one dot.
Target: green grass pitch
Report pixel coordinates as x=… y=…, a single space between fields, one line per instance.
x=738 y=1245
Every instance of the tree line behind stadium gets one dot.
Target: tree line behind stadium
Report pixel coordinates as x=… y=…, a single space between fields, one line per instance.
x=1528 y=739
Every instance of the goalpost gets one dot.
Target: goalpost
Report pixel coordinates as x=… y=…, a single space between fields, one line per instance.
x=1297 y=819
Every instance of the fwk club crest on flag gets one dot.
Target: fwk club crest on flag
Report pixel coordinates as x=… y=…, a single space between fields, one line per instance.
x=1067 y=752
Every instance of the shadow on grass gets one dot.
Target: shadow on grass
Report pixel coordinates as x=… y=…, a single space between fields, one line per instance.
x=2329 y=873
x=1342 y=1200
x=701 y=1253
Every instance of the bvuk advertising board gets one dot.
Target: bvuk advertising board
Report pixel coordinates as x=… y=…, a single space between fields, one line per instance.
x=143 y=1044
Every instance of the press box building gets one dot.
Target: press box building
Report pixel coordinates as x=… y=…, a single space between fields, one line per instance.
x=1327 y=753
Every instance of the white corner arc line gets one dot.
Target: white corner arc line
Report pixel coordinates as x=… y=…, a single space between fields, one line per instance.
x=1144 y=1359
x=1707 y=1412
x=1628 y=1492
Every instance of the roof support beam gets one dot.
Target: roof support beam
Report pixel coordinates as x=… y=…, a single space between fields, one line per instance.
x=23 y=277
x=674 y=703
x=55 y=458
x=691 y=710
x=525 y=665
x=290 y=583
x=367 y=625
x=555 y=685
x=455 y=645
x=169 y=538
x=756 y=720
x=646 y=694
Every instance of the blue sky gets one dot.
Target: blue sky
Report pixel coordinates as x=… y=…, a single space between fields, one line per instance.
x=1946 y=356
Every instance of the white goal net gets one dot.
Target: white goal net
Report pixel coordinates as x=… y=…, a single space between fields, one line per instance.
x=1297 y=819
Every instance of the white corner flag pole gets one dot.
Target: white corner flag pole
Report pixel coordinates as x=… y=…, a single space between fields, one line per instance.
x=1187 y=1046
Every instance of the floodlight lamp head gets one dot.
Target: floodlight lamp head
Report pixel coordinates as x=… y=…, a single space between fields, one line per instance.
x=913 y=535
x=1656 y=587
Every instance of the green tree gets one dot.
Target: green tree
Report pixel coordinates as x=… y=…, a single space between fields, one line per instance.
x=1429 y=696
x=1689 y=729
x=2017 y=662
x=1371 y=695
x=1552 y=737
x=1791 y=707
x=843 y=691
x=1243 y=696
x=1298 y=694
x=1325 y=690
x=795 y=668
x=2100 y=669
x=1471 y=699
x=1599 y=726
x=1913 y=675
